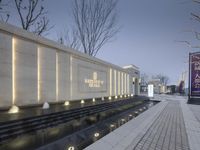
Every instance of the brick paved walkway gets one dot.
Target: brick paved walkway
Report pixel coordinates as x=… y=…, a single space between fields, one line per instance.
x=172 y=124
x=196 y=111
x=167 y=132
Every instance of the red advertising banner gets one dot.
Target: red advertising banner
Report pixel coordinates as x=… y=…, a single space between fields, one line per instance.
x=194 y=74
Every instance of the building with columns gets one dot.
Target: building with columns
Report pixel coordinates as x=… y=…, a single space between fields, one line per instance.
x=135 y=78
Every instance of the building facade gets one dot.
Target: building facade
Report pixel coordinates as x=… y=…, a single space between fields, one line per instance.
x=34 y=70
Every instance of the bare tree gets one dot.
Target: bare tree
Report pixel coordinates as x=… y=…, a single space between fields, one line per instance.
x=95 y=23
x=196 y=17
x=72 y=40
x=32 y=15
x=144 y=78
x=163 y=79
x=4 y=14
x=69 y=39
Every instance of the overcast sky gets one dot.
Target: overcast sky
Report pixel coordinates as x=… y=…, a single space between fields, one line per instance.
x=149 y=29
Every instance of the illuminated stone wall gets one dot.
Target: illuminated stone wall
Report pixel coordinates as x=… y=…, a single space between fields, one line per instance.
x=89 y=79
x=34 y=70
x=25 y=73
x=47 y=74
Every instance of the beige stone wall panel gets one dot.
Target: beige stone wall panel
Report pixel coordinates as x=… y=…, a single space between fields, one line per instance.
x=47 y=74
x=25 y=72
x=5 y=70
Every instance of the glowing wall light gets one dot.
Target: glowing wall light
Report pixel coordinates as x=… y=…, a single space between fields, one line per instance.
x=13 y=72
x=110 y=82
x=71 y=59
x=93 y=100
x=126 y=83
x=82 y=101
x=66 y=103
x=109 y=97
x=14 y=108
x=118 y=83
x=115 y=76
x=38 y=74
x=57 y=74
x=122 y=84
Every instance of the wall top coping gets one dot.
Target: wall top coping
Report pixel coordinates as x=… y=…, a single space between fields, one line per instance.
x=18 y=32
x=131 y=67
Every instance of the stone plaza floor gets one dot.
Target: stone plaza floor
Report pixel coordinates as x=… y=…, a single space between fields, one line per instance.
x=170 y=125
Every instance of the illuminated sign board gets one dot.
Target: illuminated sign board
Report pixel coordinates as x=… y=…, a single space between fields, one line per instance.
x=94 y=82
x=194 y=74
x=150 y=90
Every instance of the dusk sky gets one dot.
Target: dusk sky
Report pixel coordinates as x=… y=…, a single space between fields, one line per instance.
x=149 y=29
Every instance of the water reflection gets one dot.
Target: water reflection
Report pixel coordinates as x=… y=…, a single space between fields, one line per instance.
x=81 y=131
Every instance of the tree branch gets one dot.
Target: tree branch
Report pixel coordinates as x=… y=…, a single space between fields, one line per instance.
x=95 y=23
x=33 y=18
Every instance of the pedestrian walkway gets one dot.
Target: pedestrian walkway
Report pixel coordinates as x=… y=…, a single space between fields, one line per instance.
x=196 y=111
x=192 y=125
x=170 y=125
x=167 y=132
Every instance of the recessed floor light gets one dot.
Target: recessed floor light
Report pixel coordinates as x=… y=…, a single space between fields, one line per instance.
x=123 y=120
x=71 y=148
x=66 y=103
x=14 y=109
x=96 y=134
x=112 y=125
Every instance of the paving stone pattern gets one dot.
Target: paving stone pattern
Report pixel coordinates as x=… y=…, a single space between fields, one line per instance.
x=192 y=124
x=167 y=132
x=196 y=111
